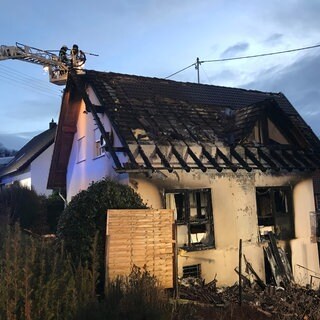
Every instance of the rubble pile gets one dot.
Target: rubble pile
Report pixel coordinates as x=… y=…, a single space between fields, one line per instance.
x=283 y=300
x=293 y=302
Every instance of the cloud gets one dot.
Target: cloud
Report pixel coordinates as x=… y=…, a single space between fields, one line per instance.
x=296 y=20
x=274 y=39
x=225 y=77
x=235 y=50
x=299 y=82
x=12 y=141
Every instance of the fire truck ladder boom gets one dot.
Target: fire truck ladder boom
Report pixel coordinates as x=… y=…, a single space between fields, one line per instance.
x=57 y=69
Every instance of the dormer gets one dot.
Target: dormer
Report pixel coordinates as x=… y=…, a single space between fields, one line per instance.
x=266 y=132
x=267 y=125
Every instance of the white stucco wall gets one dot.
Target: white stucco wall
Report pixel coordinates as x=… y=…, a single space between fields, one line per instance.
x=235 y=217
x=24 y=178
x=89 y=168
x=40 y=171
x=35 y=175
x=304 y=251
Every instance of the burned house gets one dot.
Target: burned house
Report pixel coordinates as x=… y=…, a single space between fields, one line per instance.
x=232 y=164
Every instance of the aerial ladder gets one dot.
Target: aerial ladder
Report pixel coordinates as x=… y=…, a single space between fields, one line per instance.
x=58 y=68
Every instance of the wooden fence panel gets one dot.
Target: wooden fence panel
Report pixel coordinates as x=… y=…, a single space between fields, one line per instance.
x=141 y=237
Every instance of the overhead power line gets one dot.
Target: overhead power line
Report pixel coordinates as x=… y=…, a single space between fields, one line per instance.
x=198 y=62
x=262 y=54
x=26 y=81
x=173 y=74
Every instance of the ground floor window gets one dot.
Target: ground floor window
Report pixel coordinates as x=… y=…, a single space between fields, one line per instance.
x=275 y=211
x=193 y=214
x=192 y=271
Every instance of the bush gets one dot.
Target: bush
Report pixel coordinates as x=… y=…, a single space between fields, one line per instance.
x=137 y=296
x=54 y=207
x=32 y=211
x=37 y=282
x=85 y=216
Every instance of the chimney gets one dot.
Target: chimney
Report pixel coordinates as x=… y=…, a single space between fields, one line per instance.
x=52 y=124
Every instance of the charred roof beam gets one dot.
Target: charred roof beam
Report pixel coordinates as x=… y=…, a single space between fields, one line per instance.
x=211 y=159
x=163 y=159
x=180 y=159
x=196 y=160
x=253 y=158
x=237 y=156
x=312 y=158
x=280 y=160
x=291 y=159
x=145 y=159
x=226 y=160
x=267 y=159
x=304 y=160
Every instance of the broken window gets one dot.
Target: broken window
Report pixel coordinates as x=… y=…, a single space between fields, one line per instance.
x=99 y=146
x=267 y=132
x=317 y=201
x=275 y=211
x=193 y=213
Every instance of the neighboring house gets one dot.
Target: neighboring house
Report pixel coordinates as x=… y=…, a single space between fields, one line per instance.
x=5 y=160
x=232 y=163
x=30 y=166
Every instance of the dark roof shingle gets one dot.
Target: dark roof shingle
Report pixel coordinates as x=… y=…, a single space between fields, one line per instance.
x=158 y=105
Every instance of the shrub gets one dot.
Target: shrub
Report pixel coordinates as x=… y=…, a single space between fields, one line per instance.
x=85 y=215
x=137 y=296
x=32 y=211
x=54 y=208
x=37 y=282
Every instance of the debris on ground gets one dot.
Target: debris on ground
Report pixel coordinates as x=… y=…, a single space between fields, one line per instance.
x=291 y=303
x=281 y=300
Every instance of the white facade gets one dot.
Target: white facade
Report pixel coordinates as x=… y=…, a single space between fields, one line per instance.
x=233 y=201
x=39 y=168
x=35 y=176
x=86 y=165
x=235 y=217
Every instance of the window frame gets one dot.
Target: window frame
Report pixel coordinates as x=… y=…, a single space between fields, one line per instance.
x=81 y=149
x=277 y=219
x=317 y=201
x=200 y=221
x=100 y=144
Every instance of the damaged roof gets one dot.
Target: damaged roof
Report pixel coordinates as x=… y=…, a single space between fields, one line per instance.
x=30 y=151
x=169 y=110
x=165 y=124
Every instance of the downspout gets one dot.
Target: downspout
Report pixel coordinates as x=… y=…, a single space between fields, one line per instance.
x=63 y=198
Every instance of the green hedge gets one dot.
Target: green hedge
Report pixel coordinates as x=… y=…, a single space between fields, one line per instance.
x=34 y=212
x=85 y=216
x=38 y=282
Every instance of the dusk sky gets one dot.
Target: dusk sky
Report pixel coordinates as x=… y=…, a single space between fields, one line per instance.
x=157 y=38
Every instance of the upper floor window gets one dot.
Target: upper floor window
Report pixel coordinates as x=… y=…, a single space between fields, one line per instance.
x=193 y=214
x=81 y=149
x=100 y=144
x=266 y=132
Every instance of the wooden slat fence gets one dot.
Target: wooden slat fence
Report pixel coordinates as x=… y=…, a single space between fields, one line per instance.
x=143 y=238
